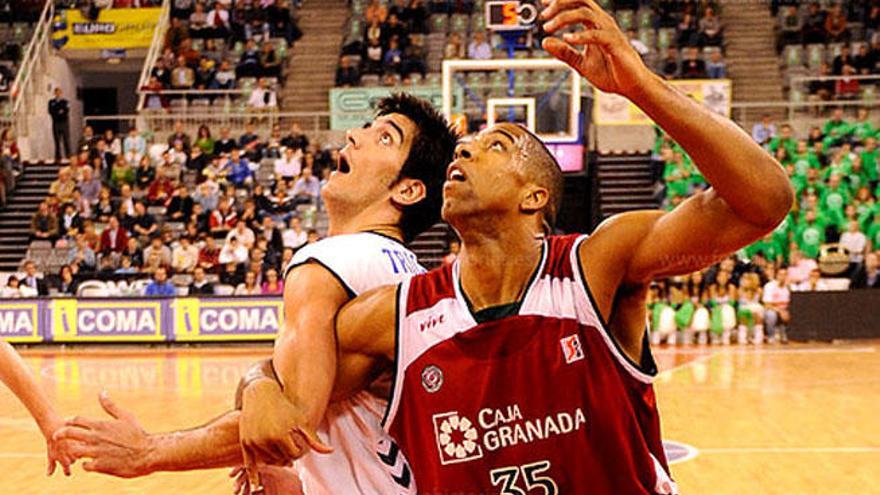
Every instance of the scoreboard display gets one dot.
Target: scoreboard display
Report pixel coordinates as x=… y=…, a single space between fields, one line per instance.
x=510 y=15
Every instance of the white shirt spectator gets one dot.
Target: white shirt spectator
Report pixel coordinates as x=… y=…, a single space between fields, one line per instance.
x=184 y=258
x=776 y=294
x=479 y=50
x=230 y=254
x=263 y=98
x=224 y=18
x=293 y=239
x=242 y=290
x=855 y=243
x=800 y=271
x=244 y=235
x=289 y=165
x=763 y=133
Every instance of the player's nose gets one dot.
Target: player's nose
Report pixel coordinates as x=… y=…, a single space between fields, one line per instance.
x=350 y=138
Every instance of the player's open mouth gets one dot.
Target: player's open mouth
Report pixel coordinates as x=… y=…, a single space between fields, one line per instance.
x=455 y=174
x=342 y=165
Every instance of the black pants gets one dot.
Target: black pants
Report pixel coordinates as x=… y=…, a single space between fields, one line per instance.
x=61 y=135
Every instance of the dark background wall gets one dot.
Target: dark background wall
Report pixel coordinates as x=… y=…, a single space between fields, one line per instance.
x=853 y=314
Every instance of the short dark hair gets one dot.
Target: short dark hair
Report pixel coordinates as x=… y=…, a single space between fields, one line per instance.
x=543 y=168
x=429 y=155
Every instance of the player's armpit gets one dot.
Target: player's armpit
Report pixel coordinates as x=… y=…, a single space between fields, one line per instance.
x=366 y=333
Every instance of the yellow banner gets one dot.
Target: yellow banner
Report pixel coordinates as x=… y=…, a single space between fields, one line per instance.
x=610 y=109
x=114 y=29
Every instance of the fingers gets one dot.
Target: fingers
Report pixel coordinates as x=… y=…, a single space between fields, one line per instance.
x=113 y=410
x=553 y=7
x=582 y=15
x=50 y=466
x=83 y=422
x=563 y=51
x=588 y=37
x=312 y=440
x=250 y=466
x=76 y=434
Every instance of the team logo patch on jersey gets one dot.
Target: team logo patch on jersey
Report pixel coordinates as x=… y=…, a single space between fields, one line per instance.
x=457 y=438
x=432 y=378
x=572 y=348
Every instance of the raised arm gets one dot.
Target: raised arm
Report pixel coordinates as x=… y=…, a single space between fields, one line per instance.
x=750 y=192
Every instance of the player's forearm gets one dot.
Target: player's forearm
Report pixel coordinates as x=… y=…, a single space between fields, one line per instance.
x=15 y=374
x=213 y=445
x=752 y=183
x=306 y=366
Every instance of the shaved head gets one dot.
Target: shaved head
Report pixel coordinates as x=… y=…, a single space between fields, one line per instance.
x=537 y=165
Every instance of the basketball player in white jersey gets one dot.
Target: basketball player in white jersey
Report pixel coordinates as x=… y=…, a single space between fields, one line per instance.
x=387 y=189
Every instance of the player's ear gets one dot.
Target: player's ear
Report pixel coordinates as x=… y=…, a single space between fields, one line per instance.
x=534 y=200
x=408 y=192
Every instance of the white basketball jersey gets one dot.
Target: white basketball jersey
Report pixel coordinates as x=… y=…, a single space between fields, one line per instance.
x=365 y=460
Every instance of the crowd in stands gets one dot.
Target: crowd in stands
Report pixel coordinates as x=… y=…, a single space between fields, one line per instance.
x=194 y=210
x=224 y=46
x=830 y=240
x=832 y=40
x=400 y=41
x=387 y=42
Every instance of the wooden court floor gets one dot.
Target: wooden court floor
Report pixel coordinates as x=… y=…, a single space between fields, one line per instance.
x=800 y=419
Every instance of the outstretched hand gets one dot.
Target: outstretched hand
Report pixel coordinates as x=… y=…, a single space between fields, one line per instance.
x=600 y=52
x=58 y=452
x=117 y=447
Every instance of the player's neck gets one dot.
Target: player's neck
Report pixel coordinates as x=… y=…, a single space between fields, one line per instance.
x=496 y=264
x=368 y=219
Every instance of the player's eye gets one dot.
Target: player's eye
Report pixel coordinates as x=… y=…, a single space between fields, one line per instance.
x=385 y=139
x=496 y=146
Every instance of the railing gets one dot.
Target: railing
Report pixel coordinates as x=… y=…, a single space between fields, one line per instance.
x=36 y=52
x=160 y=122
x=156 y=46
x=750 y=112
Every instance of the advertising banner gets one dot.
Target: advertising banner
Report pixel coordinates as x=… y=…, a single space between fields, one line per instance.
x=186 y=319
x=112 y=320
x=113 y=29
x=223 y=319
x=354 y=107
x=611 y=109
x=20 y=320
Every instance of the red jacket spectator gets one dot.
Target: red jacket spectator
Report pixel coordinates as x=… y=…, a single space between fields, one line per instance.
x=221 y=220
x=160 y=190
x=114 y=238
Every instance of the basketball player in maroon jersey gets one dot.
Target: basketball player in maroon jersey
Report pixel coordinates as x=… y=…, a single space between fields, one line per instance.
x=524 y=366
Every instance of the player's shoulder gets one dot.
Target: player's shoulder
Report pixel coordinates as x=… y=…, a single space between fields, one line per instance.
x=426 y=289
x=345 y=246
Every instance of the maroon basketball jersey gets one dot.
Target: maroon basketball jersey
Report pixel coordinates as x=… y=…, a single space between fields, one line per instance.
x=539 y=400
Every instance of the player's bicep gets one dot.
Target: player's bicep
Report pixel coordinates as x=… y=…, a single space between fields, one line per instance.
x=655 y=244
x=366 y=324
x=365 y=329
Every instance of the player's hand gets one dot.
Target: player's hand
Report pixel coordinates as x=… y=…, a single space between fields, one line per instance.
x=57 y=452
x=601 y=52
x=117 y=447
x=274 y=480
x=272 y=430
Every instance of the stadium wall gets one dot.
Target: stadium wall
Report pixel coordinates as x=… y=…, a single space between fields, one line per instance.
x=835 y=315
